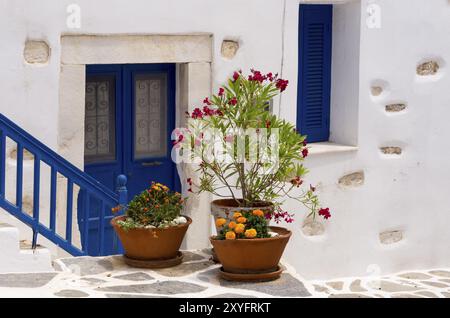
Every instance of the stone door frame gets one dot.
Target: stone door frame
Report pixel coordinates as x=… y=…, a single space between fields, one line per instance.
x=192 y=54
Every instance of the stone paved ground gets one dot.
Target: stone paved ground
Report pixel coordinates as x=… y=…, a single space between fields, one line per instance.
x=197 y=277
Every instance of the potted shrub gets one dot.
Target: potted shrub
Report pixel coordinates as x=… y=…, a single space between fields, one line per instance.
x=152 y=229
x=252 y=184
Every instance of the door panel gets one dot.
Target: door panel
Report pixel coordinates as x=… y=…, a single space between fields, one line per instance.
x=150 y=115
x=100 y=119
x=130 y=114
x=102 y=150
x=152 y=119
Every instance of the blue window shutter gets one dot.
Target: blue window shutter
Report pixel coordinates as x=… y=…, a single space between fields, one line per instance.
x=314 y=76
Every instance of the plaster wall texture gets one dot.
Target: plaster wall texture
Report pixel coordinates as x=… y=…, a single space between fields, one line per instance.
x=401 y=192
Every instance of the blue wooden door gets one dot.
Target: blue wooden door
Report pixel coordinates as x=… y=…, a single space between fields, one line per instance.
x=130 y=114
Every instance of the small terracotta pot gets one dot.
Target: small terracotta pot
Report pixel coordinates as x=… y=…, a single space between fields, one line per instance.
x=151 y=244
x=224 y=208
x=252 y=256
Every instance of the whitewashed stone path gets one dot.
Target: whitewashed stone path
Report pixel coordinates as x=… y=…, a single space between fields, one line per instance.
x=197 y=277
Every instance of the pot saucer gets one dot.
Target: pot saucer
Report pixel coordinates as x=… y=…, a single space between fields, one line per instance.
x=161 y=263
x=251 y=277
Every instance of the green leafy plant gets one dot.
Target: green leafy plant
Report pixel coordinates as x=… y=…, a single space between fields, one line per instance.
x=155 y=207
x=247 y=176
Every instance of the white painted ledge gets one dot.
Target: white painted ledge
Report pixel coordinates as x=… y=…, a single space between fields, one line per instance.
x=319 y=148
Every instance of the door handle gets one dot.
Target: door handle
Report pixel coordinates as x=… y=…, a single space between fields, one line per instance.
x=152 y=163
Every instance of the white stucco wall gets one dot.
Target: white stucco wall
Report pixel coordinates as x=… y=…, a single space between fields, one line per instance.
x=406 y=193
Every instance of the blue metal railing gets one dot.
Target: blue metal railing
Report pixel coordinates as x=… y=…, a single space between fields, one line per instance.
x=58 y=165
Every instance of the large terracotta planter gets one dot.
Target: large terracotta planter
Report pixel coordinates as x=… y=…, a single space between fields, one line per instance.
x=151 y=244
x=252 y=256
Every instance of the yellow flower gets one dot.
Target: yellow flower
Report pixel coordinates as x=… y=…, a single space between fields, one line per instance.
x=239 y=228
x=237 y=215
x=241 y=219
x=220 y=222
x=258 y=213
x=230 y=235
x=250 y=233
x=232 y=225
x=155 y=187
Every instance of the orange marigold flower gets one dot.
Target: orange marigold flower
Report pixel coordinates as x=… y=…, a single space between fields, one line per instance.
x=230 y=235
x=237 y=215
x=232 y=225
x=250 y=233
x=220 y=222
x=239 y=228
x=242 y=219
x=258 y=213
x=115 y=209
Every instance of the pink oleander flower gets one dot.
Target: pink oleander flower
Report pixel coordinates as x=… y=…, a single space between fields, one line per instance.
x=325 y=212
x=281 y=84
x=256 y=76
x=305 y=152
x=206 y=101
x=232 y=101
x=197 y=114
x=208 y=111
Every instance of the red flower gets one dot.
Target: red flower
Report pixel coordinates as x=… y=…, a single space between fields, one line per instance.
x=235 y=76
x=232 y=101
x=325 y=213
x=269 y=76
x=267 y=124
x=197 y=113
x=257 y=76
x=297 y=181
x=312 y=188
x=208 y=111
x=206 y=101
x=304 y=152
x=189 y=181
x=221 y=91
x=281 y=84
x=282 y=215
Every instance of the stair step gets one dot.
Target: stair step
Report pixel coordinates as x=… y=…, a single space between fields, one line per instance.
x=27 y=245
x=17 y=256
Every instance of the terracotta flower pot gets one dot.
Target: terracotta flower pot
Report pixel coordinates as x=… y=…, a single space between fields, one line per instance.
x=151 y=244
x=224 y=208
x=252 y=256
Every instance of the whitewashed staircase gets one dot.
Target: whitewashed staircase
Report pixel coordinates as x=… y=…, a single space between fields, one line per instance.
x=17 y=256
